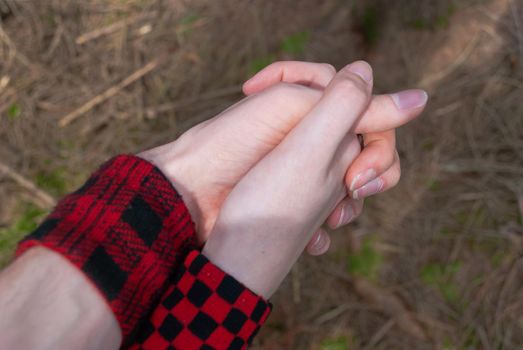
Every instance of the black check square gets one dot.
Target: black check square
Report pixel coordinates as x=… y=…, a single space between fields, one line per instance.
x=105 y=272
x=170 y=328
x=46 y=227
x=234 y=321
x=199 y=293
x=229 y=289
x=236 y=344
x=146 y=330
x=142 y=218
x=175 y=278
x=202 y=326
x=173 y=299
x=257 y=313
x=198 y=264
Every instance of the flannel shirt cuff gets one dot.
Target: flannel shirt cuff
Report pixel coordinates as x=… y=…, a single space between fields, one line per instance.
x=126 y=228
x=203 y=308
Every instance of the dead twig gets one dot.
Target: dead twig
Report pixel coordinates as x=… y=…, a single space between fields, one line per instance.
x=431 y=80
x=57 y=36
x=218 y=93
x=42 y=198
x=387 y=302
x=113 y=90
x=518 y=28
x=378 y=336
x=391 y=306
x=17 y=54
x=99 y=32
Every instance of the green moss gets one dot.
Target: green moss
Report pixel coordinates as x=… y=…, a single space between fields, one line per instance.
x=295 y=44
x=448 y=345
x=497 y=259
x=189 y=19
x=472 y=340
x=367 y=262
x=445 y=231
x=442 y=21
x=185 y=25
x=441 y=277
x=14 y=111
x=370 y=24
x=53 y=181
x=434 y=185
x=428 y=145
x=437 y=21
x=339 y=343
x=418 y=24
x=260 y=63
x=10 y=236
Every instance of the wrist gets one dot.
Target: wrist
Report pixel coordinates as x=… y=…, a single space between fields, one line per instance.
x=173 y=162
x=262 y=262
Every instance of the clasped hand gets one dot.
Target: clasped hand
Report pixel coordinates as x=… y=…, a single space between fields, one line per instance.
x=262 y=177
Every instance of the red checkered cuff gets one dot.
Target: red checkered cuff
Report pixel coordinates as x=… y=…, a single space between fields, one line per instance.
x=203 y=308
x=126 y=229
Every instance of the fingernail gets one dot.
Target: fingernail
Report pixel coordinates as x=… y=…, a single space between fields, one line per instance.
x=362 y=178
x=410 y=99
x=362 y=69
x=347 y=214
x=320 y=245
x=368 y=189
x=318 y=242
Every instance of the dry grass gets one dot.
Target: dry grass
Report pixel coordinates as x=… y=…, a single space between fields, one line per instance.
x=434 y=264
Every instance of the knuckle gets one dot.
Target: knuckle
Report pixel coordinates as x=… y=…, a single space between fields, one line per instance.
x=395 y=175
x=329 y=68
x=275 y=64
x=389 y=156
x=285 y=93
x=280 y=91
x=349 y=86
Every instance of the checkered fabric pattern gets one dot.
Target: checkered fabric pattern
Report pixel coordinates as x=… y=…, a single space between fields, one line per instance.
x=126 y=229
x=203 y=309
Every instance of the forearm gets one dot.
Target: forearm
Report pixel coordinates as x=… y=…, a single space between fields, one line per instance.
x=47 y=303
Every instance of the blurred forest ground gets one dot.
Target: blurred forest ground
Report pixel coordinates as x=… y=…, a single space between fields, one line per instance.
x=434 y=264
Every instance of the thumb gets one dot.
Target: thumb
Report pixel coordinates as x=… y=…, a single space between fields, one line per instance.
x=345 y=100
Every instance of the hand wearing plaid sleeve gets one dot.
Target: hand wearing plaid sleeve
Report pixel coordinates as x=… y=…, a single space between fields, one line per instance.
x=207 y=161
x=127 y=229
x=267 y=220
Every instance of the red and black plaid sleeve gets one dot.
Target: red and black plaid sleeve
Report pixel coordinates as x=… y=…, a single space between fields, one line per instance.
x=203 y=309
x=126 y=229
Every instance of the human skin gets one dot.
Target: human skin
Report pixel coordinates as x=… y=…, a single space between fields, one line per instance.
x=377 y=168
x=66 y=311
x=232 y=142
x=47 y=303
x=273 y=211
